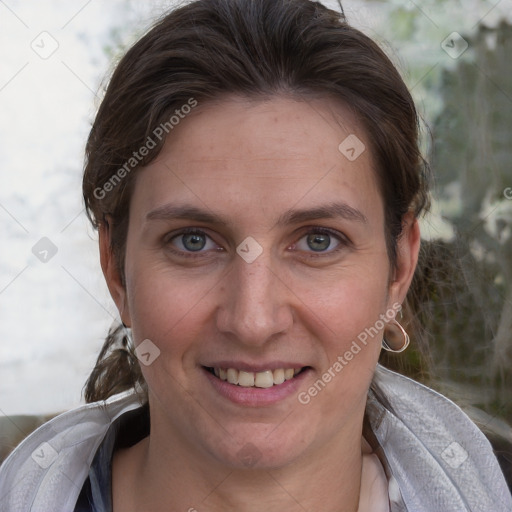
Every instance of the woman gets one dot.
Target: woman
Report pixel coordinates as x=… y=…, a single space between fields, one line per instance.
x=254 y=175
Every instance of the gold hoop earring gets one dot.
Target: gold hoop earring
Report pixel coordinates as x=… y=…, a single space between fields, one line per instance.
x=395 y=336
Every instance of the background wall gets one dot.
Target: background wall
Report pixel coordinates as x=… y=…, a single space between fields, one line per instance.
x=54 y=306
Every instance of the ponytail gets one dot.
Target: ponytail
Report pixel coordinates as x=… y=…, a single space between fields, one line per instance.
x=117 y=368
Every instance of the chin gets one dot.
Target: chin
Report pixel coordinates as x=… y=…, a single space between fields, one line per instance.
x=257 y=448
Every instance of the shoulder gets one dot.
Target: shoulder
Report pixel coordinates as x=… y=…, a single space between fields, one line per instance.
x=47 y=470
x=437 y=455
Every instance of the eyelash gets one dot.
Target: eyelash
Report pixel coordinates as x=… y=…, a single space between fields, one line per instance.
x=342 y=239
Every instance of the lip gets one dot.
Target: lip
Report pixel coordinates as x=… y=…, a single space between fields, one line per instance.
x=256 y=367
x=256 y=397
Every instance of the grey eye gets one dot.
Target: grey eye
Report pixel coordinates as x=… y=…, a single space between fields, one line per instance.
x=318 y=241
x=193 y=241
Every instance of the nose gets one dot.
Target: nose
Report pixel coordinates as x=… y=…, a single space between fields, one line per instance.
x=256 y=305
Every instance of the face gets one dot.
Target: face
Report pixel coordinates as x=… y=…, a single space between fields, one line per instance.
x=256 y=247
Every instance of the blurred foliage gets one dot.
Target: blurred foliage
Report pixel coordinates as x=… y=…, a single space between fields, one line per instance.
x=472 y=154
x=460 y=306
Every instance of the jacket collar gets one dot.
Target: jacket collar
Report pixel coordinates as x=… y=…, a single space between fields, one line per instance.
x=434 y=455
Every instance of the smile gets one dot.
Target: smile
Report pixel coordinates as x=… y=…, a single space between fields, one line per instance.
x=263 y=379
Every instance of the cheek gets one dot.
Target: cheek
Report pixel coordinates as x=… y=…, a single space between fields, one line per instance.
x=165 y=306
x=171 y=314
x=157 y=316
x=350 y=327
x=347 y=303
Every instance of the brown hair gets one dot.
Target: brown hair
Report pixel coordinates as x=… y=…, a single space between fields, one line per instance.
x=256 y=49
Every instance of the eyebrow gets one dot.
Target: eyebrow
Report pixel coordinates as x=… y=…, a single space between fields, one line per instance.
x=189 y=212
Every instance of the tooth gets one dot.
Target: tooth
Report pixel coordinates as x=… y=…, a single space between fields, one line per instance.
x=245 y=379
x=264 y=379
x=278 y=376
x=232 y=376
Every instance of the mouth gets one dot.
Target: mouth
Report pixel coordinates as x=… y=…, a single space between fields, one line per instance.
x=262 y=379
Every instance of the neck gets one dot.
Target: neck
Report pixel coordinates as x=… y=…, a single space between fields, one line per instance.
x=162 y=472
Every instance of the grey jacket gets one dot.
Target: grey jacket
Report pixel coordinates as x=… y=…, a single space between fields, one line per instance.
x=435 y=457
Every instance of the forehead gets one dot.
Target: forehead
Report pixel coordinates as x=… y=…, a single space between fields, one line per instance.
x=259 y=155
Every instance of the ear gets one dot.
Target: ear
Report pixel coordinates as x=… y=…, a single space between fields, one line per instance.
x=111 y=272
x=408 y=247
